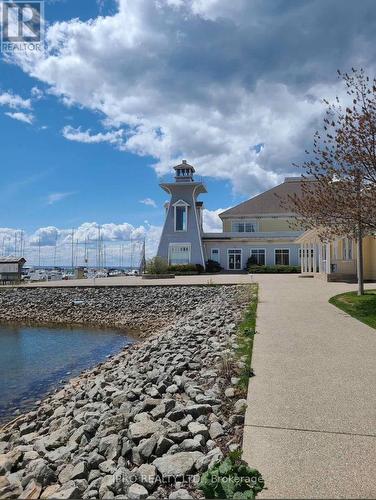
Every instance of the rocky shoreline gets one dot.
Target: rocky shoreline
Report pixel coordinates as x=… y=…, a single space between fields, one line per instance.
x=149 y=421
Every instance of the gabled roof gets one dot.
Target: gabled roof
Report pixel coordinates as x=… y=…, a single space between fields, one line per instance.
x=11 y=260
x=270 y=201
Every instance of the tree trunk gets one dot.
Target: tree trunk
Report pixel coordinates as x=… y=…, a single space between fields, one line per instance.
x=359 y=263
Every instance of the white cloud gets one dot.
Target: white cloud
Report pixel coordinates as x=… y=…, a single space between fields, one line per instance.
x=149 y=202
x=21 y=117
x=14 y=101
x=212 y=222
x=55 y=197
x=206 y=79
x=118 y=240
x=44 y=237
x=37 y=93
x=77 y=135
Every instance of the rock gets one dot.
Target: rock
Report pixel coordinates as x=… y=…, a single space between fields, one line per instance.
x=236 y=420
x=178 y=437
x=9 y=489
x=137 y=492
x=50 y=491
x=9 y=460
x=172 y=389
x=68 y=491
x=206 y=461
x=94 y=459
x=180 y=494
x=32 y=490
x=240 y=406
x=40 y=471
x=123 y=479
x=190 y=445
x=178 y=465
x=144 y=450
x=66 y=473
x=163 y=445
x=80 y=471
x=197 y=410
x=216 y=430
x=230 y=392
x=106 y=487
x=144 y=429
x=109 y=446
x=209 y=400
x=146 y=475
x=197 y=428
x=107 y=467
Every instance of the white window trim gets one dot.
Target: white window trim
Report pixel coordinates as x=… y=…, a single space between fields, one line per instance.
x=189 y=245
x=219 y=254
x=275 y=256
x=244 y=221
x=228 y=259
x=181 y=203
x=347 y=246
x=264 y=249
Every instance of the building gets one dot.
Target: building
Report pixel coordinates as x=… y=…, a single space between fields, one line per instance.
x=336 y=260
x=261 y=228
x=11 y=269
x=181 y=240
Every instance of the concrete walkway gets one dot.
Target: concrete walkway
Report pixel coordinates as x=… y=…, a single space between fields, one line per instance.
x=311 y=419
x=203 y=279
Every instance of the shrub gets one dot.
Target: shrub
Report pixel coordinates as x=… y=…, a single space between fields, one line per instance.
x=158 y=265
x=231 y=478
x=185 y=269
x=252 y=261
x=213 y=266
x=273 y=269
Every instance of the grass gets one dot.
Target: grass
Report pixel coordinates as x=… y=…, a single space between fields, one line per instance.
x=361 y=307
x=246 y=333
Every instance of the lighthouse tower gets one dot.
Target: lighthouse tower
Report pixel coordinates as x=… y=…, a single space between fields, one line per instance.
x=181 y=240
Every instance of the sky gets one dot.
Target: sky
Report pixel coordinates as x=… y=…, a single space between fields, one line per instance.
x=125 y=89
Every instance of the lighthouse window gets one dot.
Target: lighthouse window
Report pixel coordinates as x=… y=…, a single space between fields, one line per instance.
x=179 y=253
x=180 y=218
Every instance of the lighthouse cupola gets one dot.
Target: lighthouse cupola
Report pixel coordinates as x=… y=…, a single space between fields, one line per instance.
x=184 y=172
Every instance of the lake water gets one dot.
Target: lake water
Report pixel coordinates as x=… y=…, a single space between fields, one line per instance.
x=35 y=360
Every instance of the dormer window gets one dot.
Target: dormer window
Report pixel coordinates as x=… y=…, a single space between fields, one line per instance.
x=181 y=216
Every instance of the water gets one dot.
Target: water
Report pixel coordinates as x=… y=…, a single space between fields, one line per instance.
x=34 y=360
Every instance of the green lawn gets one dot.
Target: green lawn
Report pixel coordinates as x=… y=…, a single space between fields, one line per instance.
x=362 y=307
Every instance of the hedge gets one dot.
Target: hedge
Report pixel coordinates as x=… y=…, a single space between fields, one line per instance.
x=273 y=269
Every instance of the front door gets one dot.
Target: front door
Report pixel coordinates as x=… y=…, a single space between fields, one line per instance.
x=235 y=260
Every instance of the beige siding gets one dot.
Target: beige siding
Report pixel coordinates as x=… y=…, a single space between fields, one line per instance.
x=369 y=260
x=267 y=224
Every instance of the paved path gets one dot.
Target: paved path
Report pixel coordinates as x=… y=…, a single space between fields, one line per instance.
x=205 y=279
x=311 y=419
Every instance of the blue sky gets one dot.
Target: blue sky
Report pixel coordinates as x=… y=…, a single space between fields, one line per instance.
x=125 y=90
x=93 y=182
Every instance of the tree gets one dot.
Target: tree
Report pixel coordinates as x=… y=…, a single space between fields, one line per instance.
x=341 y=202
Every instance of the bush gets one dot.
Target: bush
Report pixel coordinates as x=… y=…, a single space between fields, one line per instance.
x=231 y=478
x=158 y=265
x=252 y=261
x=273 y=269
x=179 y=269
x=213 y=266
